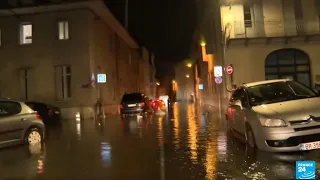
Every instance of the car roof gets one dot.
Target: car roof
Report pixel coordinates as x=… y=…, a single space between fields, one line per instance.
x=264 y=82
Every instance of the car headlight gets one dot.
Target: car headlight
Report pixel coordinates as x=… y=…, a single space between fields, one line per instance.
x=267 y=122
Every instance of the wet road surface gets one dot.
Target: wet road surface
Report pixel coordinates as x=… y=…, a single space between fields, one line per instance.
x=190 y=144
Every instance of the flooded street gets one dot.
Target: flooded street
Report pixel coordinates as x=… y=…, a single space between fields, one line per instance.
x=188 y=144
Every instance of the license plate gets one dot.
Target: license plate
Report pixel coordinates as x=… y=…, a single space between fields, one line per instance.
x=131 y=105
x=310 y=146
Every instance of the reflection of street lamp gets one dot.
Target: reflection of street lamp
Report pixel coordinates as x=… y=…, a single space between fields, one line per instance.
x=187 y=76
x=189 y=65
x=158 y=84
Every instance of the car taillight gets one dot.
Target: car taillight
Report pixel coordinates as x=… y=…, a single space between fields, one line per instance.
x=38 y=116
x=50 y=112
x=142 y=104
x=121 y=106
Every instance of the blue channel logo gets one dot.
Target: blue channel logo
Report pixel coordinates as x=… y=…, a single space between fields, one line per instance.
x=305 y=170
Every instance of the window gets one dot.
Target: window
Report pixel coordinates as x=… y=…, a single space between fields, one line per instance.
x=63 y=30
x=26 y=33
x=279 y=92
x=247 y=16
x=8 y=108
x=240 y=95
x=288 y=63
x=24 y=75
x=63 y=82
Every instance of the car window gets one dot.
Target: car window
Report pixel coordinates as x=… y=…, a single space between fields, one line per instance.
x=132 y=98
x=8 y=108
x=240 y=95
x=279 y=92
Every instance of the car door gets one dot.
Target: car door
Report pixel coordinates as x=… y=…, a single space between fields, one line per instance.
x=231 y=110
x=241 y=113
x=11 y=122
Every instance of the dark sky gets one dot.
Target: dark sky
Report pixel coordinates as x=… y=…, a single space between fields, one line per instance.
x=165 y=27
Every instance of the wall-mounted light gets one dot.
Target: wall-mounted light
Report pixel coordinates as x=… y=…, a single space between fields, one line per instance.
x=187 y=76
x=189 y=65
x=173 y=81
x=158 y=84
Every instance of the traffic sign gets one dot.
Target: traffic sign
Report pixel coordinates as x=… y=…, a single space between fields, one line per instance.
x=218 y=72
x=102 y=78
x=218 y=80
x=229 y=69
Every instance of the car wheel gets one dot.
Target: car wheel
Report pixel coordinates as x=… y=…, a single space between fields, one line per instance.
x=250 y=137
x=33 y=136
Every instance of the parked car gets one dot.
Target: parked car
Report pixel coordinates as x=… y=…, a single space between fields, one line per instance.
x=49 y=113
x=19 y=124
x=276 y=115
x=134 y=103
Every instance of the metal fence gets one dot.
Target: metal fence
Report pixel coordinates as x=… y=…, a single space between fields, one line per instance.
x=249 y=29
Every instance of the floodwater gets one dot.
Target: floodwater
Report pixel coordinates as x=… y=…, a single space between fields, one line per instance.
x=184 y=143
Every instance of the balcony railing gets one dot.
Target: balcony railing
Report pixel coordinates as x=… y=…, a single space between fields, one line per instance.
x=255 y=29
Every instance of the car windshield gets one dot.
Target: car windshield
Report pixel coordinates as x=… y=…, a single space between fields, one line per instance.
x=279 y=92
x=132 y=97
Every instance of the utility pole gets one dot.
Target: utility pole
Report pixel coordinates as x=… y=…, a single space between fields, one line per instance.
x=219 y=51
x=126 y=16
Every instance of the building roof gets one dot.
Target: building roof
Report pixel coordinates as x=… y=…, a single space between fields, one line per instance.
x=96 y=6
x=264 y=82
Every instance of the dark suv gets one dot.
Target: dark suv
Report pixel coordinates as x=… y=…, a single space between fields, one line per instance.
x=134 y=103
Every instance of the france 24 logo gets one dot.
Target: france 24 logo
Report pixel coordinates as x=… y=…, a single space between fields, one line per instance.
x=305 y=170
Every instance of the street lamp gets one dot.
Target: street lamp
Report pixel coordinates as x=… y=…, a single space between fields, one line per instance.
x=189 y=65
x=203 y=44
x=187 y=76
x=173 y=81
x=158 y=84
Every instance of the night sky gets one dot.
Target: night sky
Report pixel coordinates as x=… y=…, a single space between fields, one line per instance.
x=164 y=27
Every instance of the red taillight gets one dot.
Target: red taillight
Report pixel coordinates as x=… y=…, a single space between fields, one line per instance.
x=121 y=106
x=143 y=104
x=38 y=116
x=50 y=112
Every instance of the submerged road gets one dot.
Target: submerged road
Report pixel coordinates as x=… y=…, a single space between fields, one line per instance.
x=186 y=143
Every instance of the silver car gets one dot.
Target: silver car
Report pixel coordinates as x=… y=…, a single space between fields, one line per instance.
x=276 y=115
x=19 y=124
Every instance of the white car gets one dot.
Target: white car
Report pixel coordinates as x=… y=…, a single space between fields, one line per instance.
x=276 y=115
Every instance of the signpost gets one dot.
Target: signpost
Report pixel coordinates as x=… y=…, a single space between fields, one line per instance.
x=218 y=80
x=218 y=72
x=201 y=86
x=229 y=69
x=101 y=78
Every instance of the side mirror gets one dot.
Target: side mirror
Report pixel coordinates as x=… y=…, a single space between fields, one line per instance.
x=238 y=104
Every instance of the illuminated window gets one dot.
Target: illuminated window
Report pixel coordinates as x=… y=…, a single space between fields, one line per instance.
x=25 y=33
x=63 y=30
x=247 y=16
x=63 y=82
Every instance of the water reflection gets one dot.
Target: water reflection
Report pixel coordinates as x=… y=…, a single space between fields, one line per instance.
x=135 y=125
x=176 y=125
x=78 y=127
x=30 y=160
x=192 y=133
x=105 y=154
x=160 y=136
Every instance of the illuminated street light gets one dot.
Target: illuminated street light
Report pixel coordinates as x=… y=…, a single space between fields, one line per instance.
x=187 y=76
x=173 y=81
x=203 y=44
x=189 y=65
x=158 y=84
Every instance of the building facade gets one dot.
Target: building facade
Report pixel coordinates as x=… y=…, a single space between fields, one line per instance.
x=272 y=39
x=53 y=53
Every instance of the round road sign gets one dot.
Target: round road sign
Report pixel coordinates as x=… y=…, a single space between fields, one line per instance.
x=218 y=80
x=229 y=69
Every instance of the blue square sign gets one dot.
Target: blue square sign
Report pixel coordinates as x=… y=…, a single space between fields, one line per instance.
x=305 y=170
x=102 y=78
